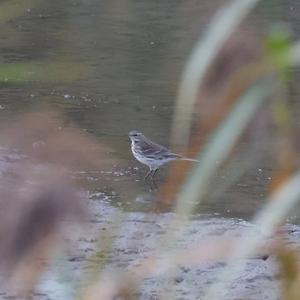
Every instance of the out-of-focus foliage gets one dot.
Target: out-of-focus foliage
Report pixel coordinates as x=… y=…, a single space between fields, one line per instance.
x=38 y=193
x=290 y=272
x=278 y=44
x=45 y=138
x=28 y=72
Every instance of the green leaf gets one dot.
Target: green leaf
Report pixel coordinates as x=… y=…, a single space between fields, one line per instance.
x=278 y=45
x=28 y=72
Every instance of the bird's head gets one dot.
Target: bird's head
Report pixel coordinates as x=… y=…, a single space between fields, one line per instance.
x=135 y=135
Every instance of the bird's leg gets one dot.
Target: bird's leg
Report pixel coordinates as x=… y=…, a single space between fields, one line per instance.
x=148 y=174
x=153 y=186
x=153 y=173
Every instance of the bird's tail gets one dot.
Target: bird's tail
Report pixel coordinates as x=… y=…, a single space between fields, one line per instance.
x=179 y=157
x=189 y=159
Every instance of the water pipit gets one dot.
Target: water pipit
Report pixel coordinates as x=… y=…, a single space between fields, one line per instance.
x=151 y=154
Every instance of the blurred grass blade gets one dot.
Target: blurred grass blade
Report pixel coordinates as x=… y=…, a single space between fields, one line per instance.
x=221 y=27
x=220 y=145
x=55 y=71
x=266 y=220
x=294 y=53
x=100 y=259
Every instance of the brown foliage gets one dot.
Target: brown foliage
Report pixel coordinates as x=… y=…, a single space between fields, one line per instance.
x=37 y=191
x=237 y=67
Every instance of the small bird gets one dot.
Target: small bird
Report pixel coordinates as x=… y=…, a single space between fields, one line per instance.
x=151 y=154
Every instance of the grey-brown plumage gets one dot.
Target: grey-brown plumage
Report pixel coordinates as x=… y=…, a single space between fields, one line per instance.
x=151 y=154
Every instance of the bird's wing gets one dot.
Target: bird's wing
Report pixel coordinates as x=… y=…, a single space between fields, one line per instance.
x=156 y=151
